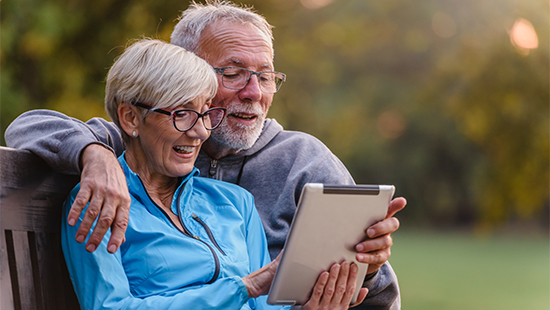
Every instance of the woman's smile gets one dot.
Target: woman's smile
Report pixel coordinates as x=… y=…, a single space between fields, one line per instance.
x=184 y=149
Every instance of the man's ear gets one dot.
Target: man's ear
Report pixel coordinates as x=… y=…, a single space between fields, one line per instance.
x=129 y=119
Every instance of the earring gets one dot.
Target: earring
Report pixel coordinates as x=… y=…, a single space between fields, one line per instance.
x=134 y=134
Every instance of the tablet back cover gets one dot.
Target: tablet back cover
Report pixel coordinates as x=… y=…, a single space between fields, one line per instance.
x=329 y=222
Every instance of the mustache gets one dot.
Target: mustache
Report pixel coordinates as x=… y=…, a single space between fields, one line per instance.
x=244 y=108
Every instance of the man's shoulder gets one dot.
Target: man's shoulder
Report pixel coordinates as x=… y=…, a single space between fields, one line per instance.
x=298 y=140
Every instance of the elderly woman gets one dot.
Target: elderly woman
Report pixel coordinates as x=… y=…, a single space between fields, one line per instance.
x=191 y=242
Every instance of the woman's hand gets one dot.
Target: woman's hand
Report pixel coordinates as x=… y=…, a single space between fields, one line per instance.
x=259 y=282
x=334 y=288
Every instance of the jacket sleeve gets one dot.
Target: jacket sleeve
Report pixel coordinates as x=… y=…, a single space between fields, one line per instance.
x=258 y=253
x=59 y=139
x=383 y=285
x=100 y=281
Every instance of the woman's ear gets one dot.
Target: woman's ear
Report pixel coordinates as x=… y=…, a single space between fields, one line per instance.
x=129 y=119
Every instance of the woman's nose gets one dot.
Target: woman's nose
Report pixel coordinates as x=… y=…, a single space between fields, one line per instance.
x=198 y=131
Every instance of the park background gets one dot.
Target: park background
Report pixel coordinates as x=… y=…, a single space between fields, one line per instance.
x=446 y=99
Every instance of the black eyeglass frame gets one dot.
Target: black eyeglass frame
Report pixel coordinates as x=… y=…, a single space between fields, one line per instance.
x=221 y=70
x=172 y=114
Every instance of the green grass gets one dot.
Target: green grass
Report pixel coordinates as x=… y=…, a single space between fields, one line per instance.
x=449 y=271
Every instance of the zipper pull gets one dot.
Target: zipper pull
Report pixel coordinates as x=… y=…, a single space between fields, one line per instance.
x=213 y=168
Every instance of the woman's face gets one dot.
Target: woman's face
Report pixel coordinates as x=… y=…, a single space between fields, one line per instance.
x=166 y=152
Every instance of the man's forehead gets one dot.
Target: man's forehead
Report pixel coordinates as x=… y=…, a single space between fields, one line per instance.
x=236 y=44
x=237 y=62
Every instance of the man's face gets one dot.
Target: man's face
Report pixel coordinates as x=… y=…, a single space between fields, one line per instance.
x=237 y=45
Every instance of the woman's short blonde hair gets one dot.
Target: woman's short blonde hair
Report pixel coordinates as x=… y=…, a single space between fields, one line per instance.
x=159 y=74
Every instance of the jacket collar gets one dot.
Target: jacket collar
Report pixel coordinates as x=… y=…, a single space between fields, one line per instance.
x=135 y=185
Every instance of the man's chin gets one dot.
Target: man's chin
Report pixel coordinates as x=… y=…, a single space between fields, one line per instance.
x=238 y=138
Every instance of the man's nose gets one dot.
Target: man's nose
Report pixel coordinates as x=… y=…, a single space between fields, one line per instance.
x=252 y=90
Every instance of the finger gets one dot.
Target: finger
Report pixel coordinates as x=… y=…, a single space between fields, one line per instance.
x=387 y=226
x=374 y=257
x=99 y=231
x=330 y=286
x=317 y=292
x=395 y=206
x=350 y=284
x=361 y=296
x=375 y=244
x=118 y=228
x=90 y=214
x=80 y=202
x=105 y=220
x=341 y=286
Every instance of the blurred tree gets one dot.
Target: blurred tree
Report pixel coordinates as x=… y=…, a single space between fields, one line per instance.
x=429 y=96
x=500 y=101
x=56 y=54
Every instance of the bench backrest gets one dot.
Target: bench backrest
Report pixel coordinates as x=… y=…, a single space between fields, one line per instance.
x=33 y=274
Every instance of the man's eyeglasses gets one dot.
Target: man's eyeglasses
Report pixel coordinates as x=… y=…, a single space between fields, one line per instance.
x=237 y=78
x=185 y=119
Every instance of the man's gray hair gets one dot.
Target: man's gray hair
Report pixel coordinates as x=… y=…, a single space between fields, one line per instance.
x=159 y=74
x=197 y=17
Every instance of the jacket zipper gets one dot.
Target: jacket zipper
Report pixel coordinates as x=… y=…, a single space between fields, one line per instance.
x=188 y=233
x=216 y=259
x=208 y=232
x=213 y=168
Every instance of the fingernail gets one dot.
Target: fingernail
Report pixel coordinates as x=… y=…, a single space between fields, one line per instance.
x=359 y=247
x=72 y=222
x=112 y=248
x=90 y=247
x=360 y=257
x=80 y=238
x=370 y=232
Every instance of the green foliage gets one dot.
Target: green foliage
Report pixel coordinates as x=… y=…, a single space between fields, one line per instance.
x=56 y=54
x=428 y=95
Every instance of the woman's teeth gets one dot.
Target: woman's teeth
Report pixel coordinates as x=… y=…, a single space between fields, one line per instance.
x=184 y=149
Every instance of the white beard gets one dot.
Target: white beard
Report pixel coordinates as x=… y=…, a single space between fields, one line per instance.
x=236 y=136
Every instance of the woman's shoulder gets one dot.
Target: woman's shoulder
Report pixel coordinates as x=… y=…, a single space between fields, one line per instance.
x=217 y=187
x=221 y=193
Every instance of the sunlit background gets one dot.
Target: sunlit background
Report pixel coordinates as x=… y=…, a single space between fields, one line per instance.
x=448 y=100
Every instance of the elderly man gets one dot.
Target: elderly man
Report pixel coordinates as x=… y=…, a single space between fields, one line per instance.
x=248 y=149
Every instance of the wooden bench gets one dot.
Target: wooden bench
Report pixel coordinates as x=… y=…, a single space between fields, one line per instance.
x=33 y=274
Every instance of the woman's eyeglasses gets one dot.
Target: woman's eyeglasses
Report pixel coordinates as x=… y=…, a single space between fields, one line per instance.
x=185 y=119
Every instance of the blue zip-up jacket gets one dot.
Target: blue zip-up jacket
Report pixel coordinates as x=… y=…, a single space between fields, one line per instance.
x=161 y=267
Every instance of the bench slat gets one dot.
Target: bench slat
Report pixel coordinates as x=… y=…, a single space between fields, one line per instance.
x=6 y=295
x=23 y=268
x=33 y=273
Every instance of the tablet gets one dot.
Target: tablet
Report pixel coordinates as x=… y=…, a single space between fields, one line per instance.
x=329 y=221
